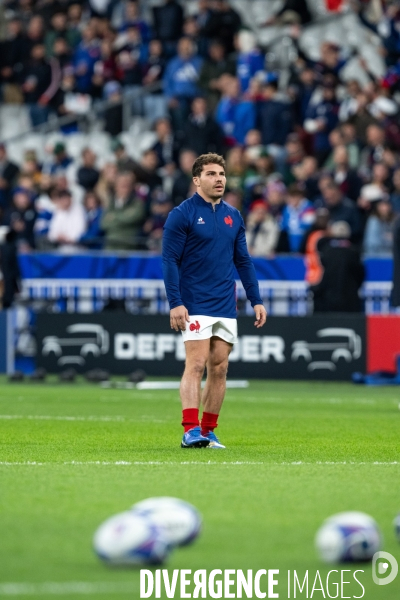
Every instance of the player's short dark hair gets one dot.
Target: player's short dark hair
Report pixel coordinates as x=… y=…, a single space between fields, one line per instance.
x=207 y=159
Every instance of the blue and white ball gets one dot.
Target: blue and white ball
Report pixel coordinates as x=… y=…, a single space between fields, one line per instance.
x=130 y=539
x=180 y=520
x=348 y=537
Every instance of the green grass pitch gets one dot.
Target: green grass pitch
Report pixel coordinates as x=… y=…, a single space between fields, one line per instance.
x=297 y=452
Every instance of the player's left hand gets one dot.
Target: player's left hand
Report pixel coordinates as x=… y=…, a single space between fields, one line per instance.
x=261 y=315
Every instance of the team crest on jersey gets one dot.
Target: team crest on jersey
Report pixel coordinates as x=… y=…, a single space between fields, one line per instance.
x=229 y=221
x=200 y=221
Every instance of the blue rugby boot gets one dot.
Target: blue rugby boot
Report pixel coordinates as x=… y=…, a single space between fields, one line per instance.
x=214 y=441
x=194 y=439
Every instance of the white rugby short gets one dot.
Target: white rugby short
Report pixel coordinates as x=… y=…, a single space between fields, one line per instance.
x=202 y=328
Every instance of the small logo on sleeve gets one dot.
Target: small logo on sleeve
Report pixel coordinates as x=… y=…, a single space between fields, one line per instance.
x=200 y=221
x=229 y=221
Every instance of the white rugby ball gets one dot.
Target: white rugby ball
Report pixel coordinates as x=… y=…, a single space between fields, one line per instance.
x=348 y=537
x=180 y=520
x=130 y=539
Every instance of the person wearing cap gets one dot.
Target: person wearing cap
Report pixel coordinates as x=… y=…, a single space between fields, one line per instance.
x=262 y=230
x=338 y=290
x=61 y=160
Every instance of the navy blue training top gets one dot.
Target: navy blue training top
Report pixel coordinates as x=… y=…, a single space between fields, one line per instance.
x=201 y=246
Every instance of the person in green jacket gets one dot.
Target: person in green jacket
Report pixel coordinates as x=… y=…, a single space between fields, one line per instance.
x=123 y=220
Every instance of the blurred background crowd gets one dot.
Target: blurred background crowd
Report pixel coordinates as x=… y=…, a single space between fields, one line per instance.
x=311 y=137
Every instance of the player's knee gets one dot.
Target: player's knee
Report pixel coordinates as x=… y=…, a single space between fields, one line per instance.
x=219 y=370
x=195 y=367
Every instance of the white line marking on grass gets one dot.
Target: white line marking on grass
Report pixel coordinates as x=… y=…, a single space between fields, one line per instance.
x=89 y=418
x=125 y=463
x=63 y=588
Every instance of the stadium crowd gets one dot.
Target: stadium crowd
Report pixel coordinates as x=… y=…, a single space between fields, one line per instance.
x=300 y=157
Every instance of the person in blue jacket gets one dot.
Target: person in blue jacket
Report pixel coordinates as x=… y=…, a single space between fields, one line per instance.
x=181 y=82
x=204 y=240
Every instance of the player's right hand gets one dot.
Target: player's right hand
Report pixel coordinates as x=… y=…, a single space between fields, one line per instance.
x=179 y=316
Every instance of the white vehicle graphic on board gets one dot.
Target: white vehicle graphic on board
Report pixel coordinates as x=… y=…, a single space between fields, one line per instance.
x=346 y=345
x=95 y=342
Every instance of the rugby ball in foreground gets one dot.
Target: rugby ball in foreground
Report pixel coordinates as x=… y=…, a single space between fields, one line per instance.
x=180 y=520
x=130 y=539
x=348 y=537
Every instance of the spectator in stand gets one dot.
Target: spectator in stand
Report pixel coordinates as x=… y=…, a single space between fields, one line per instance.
x=93 y=236
x=181 y=82
x=88 y=175
x=201 y=132
x=347 y=179
x=395 y=196
x=86 y=54
x=235 y=115
x=160 y=208
x=274 y=119
x=343 y=275
x=292 y=11
x=250 y=59
x=105 y=187
x=301 y=91
x=20 y=221
x=68 y=223
x=306 y=173
x=113 y=115
x=183 y=178
x=149 y=163
x=60 y=30
x=262 y=231
x=374 y=150
x=62 y=53
x=223 y=23
x=40 y=81
x=298 y=216
x=168 y=25
x=340 y=208
x=123 y=219
x=321 y=119
x=45 y=207
x=276 y=197
x=20 y=218
x=60 y=162
x=166 y=146
x=314 y=268
x=35 y=34
x=8 y=174
x=378 y=236
x=13 y=53
x=105 y=69
x=131 y=59
x=216 y=65
x=132 y=18
x=155 y=106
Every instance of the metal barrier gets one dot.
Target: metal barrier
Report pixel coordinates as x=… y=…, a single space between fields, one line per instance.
x=146 y=296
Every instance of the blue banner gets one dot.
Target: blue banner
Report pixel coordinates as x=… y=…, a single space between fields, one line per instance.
x=100 y=265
